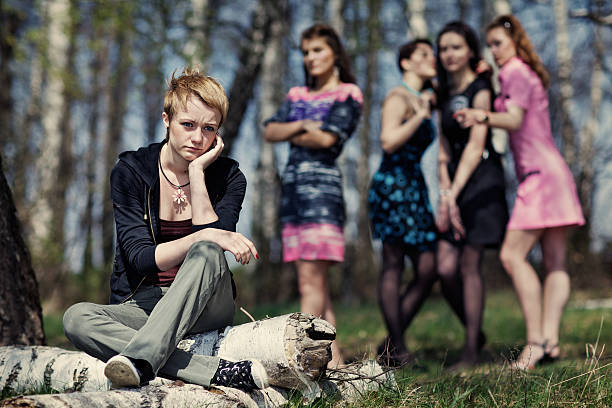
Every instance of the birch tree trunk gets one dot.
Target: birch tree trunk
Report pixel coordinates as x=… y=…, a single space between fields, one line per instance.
x=364 y=279
x=491 y=10
x=24 y=158
x=294 y=349
x=336 y=15
x=249 y=62
x=587 y=152
x=20 y=311
x=90 y=220
x=197 y=45
x=48 y=163
x=417 y=23
x=117 y=106
x=10 y=23
x=564 y=63
x=266 y=223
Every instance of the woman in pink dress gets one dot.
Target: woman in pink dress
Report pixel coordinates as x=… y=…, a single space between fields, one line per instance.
x=546 y=203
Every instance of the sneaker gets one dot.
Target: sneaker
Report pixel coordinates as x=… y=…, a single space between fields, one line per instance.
x=247 y=375
x=122 y=372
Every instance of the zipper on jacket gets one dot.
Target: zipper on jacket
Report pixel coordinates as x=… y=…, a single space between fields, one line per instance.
x=147 y=217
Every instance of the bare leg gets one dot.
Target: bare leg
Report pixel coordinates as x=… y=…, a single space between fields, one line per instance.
x=313 y=284
x=513 y=255
x=556 y=286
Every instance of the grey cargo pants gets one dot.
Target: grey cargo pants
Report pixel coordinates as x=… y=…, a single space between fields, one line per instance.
x=150 y=325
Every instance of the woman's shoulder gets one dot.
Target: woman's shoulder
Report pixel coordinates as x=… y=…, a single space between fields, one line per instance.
x=297 y=92
x=480 y=82
x=516 y=69
x=346 y=90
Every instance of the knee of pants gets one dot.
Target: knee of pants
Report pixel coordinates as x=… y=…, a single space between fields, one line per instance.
x=76 y=321
x=205 y=249
x=212 y=253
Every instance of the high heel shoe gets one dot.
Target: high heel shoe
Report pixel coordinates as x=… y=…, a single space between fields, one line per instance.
x=528 y=352
x=549 y=357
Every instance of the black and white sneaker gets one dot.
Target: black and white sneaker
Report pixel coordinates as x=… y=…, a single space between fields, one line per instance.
x=122 y=372
x=247 y=375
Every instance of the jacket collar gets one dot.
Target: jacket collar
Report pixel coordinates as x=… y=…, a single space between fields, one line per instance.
x=144 y=162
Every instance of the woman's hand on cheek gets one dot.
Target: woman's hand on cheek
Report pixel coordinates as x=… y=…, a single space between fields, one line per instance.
x=209 y=156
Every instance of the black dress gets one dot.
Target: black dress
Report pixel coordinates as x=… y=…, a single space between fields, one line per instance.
x=482 y=202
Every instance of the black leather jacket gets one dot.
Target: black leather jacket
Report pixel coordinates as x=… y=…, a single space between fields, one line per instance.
x=135 y=194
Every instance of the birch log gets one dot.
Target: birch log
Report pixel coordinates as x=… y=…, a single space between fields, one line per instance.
x=294 y=349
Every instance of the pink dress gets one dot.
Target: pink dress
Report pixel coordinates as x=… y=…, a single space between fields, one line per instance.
x=546 y=195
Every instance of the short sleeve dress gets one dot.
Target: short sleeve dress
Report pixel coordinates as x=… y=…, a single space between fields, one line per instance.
x=546 y=195
x=400 y=211
x=482 y=202
x=312 y=204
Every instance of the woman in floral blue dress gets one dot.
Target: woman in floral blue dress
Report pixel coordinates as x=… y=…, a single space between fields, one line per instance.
x=316 y=120
x=400 y=212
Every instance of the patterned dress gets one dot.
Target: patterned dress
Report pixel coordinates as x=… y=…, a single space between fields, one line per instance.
x=400 y=211
x=312 y=204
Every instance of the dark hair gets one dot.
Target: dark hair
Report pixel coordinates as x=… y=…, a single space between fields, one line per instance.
x=332 y=39
x=524 y=48
x=405 y=51
x=471 y=38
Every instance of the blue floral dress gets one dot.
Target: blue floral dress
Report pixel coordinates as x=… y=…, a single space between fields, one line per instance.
x=400 y=211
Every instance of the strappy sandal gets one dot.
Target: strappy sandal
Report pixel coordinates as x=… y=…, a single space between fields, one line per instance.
x=548 y=357
x=531 y=362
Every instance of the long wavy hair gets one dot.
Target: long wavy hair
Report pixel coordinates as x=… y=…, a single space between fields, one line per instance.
x=524 y=48
x=471 y=38
x=342 y=61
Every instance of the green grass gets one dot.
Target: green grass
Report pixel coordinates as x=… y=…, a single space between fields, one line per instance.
x=436 y=336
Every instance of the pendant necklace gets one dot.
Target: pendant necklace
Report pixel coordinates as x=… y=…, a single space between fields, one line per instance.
x=180 y=196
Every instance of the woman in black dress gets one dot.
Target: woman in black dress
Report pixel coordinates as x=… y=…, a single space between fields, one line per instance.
x=472 y=211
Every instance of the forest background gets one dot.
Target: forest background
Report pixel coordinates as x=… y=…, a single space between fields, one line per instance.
x=84 y=80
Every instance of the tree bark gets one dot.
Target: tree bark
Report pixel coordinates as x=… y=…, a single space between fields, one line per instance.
x=266 y=191
x=586 y=180
x=249 y=63
x=174 y=395
x=417 y=23
x=117 y=107
x=364 y=279
x=564 y=63
x=45 y=229
x=20 y=311
x=293 y=348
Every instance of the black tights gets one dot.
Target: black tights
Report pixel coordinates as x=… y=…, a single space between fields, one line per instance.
x=400 y=308
x=462 y=286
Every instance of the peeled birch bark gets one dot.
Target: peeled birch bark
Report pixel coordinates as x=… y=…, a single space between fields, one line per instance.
x=175 y=395
x=294 y=349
